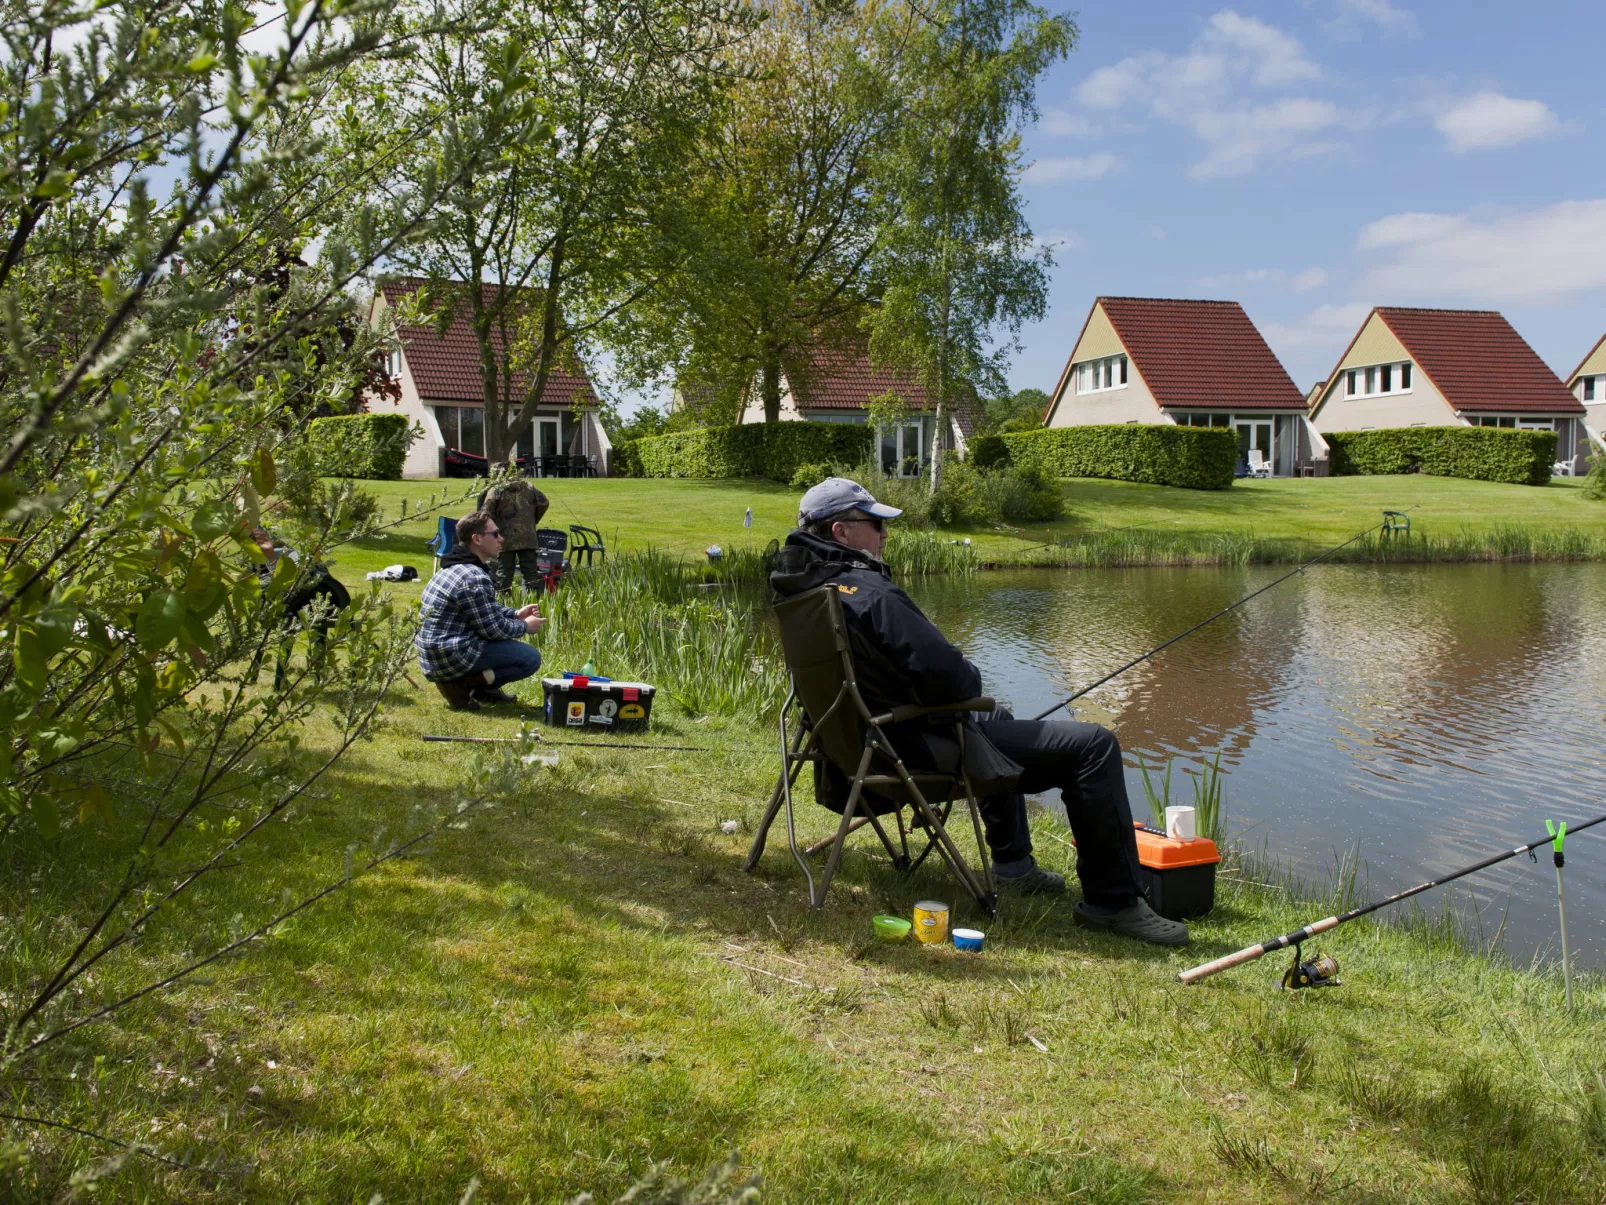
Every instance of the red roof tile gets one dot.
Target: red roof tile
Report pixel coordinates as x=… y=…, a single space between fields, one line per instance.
x=1201 y=354
x=446 y=368
x=841 y=377
x=1478 y=361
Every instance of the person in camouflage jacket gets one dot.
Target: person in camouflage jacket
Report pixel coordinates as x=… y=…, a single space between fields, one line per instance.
x=518 y=508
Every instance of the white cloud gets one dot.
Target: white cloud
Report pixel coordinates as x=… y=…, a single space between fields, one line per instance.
x=1310 y=278
x=1073 y=167
x=1157 y=233
x=1252 y=276
x=1356 y=18
x=1065 y=123
x=1540 y=257
x=1056 y=240
x=1310 y=346
x=1211 y=90
x=1489 y=120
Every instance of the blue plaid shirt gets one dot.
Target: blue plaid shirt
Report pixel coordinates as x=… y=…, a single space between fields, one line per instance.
x=460 y=614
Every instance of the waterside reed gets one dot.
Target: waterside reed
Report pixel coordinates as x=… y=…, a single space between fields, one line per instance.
x=1135 y=547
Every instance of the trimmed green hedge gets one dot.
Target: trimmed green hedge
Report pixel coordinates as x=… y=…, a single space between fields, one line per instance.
x=372 y=446
x=1196 y=458
x=1477 y=453
x=772 y=450
x=625 y=460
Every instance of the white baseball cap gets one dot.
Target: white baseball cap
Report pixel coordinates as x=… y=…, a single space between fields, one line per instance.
x=837 y=494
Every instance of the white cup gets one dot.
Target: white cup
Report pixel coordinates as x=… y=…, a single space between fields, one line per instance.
x=1179 y=823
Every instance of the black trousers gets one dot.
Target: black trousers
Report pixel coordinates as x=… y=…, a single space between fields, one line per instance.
x=1084 y=762
x=524 y=559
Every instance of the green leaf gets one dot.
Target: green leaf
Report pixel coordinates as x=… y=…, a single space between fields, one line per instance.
x=30 y=658
x=203 y=584
x=264 y=474
x=196 y=630
x=55 y=628
x=45 y=816
x=160 y=618
x=52 y=743
x=212 y=520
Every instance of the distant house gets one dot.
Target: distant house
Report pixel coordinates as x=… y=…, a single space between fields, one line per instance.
x=1442 y=368
x=1588 y=385
x=1191 y=363
x=835 y=383
x=441 y=390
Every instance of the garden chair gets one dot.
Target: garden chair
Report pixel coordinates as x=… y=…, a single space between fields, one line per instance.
x=831 y=724
x=444 y=540
x=585 y=542
x=1259 y=466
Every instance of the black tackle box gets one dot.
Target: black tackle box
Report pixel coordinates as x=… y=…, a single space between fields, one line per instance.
x=581 y=702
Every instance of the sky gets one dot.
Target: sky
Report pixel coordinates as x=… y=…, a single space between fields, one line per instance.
x=1314 y=158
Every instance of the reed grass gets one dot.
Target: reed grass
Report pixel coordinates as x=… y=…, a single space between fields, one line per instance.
x=1209 y=797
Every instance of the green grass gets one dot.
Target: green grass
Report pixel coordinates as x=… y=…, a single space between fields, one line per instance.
x=1107 y=522
x=582 y=981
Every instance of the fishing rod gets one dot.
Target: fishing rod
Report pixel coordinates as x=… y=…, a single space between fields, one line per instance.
x=1212 y=619
x=1250 y=953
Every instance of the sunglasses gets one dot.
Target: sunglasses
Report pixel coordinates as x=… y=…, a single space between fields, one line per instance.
x=878 y=524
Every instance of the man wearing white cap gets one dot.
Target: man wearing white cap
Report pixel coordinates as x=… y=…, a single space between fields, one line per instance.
x=901 y=657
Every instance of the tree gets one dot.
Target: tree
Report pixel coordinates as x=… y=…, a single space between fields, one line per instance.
x=1023 y=411
x=568 y=231
x=157 y=353
x=784 y=220
x=957 y=254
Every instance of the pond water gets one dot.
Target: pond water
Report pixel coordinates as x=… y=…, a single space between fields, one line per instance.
x=1428 y=715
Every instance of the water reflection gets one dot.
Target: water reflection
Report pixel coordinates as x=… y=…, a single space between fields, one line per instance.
x=1430 y=713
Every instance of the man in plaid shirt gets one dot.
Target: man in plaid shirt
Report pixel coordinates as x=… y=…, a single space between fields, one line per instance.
x=468 y=642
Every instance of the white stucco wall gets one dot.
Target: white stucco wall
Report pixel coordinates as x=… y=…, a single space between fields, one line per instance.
x=1130 y=403
x=1423 y=406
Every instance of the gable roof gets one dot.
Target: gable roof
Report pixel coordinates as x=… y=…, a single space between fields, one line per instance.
x=1478 y=361
x=1573 y=375
x=446 y=368
x=1201 y=354
x=839 y=376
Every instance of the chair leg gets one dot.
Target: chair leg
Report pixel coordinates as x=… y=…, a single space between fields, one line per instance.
x=835 y=859
x=791 y=763
x=945 y=844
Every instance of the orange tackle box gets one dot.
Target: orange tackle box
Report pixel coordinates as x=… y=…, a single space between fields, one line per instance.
x=1179 y=876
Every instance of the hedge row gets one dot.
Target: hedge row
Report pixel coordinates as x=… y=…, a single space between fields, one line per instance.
x=1198 y=458
x=1477 y=453
x=360 y=445
x=771 y=450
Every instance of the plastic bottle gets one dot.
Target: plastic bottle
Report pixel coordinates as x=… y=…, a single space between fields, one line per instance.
x=589 y=669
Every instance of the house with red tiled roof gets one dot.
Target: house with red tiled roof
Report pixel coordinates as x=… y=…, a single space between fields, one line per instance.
x=1191 y=363
x=1588 y=384
x=443 y=392
x=835 y=382
x=1409 y=367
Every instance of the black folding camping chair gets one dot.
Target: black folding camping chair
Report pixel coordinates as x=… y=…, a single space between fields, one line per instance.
x=831 y=724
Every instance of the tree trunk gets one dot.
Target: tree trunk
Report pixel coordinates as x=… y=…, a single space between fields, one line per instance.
x=772 y=387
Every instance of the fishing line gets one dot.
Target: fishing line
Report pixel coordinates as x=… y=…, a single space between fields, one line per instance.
x=541 y=740
x=1250 y=953
x=1212 y=619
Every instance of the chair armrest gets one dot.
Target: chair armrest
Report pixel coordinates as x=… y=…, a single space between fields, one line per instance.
x=914 y=711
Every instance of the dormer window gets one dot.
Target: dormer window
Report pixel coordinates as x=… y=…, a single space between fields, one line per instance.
x=1378 y=380
x=1095 y=376
x=1592 y=388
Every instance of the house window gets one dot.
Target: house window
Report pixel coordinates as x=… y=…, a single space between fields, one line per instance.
x=462 y=428
x=1204 y=420
x=1095 y=376
x=393 y=365
x=1378 y=380
x=1502 y=420
x=1591 y=388
x=905 y=450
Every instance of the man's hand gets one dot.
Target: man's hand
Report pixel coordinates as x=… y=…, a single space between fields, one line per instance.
x=531 y=615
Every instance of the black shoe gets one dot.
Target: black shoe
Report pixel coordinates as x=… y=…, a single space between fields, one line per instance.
x=493 y=695
x=1035 y=881
x=1136 y=920
x=459 y=692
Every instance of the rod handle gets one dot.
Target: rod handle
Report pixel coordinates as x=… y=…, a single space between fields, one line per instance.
x=1225 y=963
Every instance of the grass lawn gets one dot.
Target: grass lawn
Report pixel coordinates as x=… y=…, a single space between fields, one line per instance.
x=581 y=981
x=684 y=517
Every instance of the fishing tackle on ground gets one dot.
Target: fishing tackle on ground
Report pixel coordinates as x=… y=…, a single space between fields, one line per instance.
x=1250 y=953
x=1321 y=971
x=541 y=740
x=1160 y=648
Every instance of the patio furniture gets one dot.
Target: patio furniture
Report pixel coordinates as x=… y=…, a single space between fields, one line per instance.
x=554 y=466
x=834 y=727
x=442 y=542
x=584 y=542
x=1562 y=468
x=1259 y=466
x=1396 y=522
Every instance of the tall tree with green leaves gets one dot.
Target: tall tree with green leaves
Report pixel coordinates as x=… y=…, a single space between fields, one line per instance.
x=956 y=253
x=568 y=231
x=786 y=217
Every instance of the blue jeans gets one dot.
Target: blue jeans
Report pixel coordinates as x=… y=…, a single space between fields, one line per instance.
x=511 y=660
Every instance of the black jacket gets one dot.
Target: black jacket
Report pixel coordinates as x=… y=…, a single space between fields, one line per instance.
x=899 y=655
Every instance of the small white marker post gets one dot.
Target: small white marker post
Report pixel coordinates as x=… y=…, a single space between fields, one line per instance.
x=1559 y=835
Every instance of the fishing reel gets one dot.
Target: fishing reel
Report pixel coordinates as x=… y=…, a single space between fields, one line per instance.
x=1320 y=971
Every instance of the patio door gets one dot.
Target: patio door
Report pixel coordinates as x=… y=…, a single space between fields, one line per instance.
x=1254 y=435
x=547 y=437
x=901 y=449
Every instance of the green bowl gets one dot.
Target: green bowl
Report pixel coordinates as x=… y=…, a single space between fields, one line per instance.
x=891 y=928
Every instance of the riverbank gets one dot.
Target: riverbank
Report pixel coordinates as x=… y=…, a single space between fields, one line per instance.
x=582 y=980
x=1107 y=523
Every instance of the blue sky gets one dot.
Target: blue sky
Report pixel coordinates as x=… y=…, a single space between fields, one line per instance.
x=1313 y=158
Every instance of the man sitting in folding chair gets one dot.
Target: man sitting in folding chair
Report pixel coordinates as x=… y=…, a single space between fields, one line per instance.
x=901 y=658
